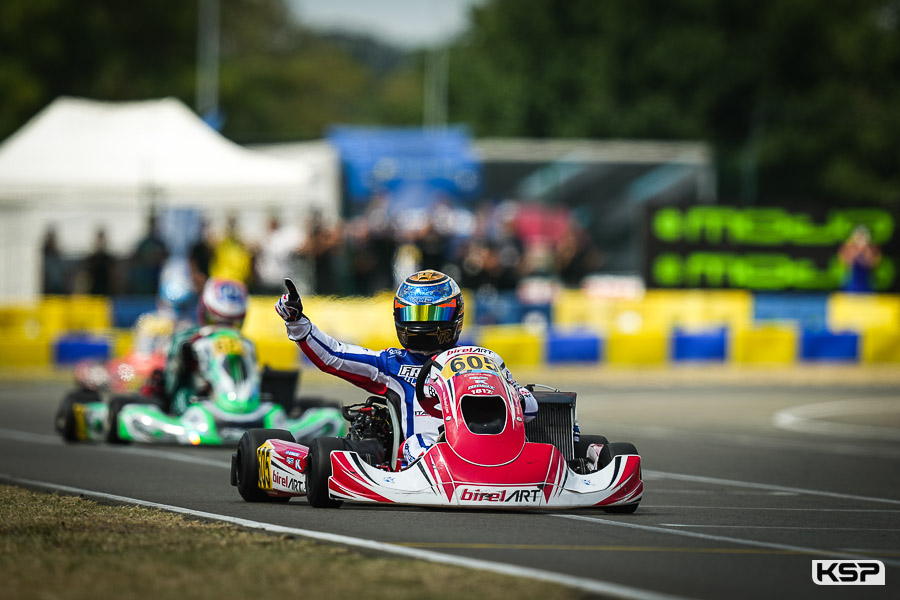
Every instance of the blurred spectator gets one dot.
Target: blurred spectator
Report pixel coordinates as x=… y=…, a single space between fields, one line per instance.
x=384 y=244
x=53 y=280
x=147 y=261
x=275 y=255
x=576 y=257
x=99 y=266
x=200 y=254
x=363 y=258
x=860 y=257
x=432 y=244
x=324 y=249
x=231 y=259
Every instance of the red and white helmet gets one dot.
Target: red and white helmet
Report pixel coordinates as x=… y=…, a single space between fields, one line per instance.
x=223 y=302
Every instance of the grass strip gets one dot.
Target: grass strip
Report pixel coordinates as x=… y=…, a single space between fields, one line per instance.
x=56 y=546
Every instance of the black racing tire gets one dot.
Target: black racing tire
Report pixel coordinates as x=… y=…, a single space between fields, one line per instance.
x=318 y=470
x=112 y=418
x=245 y=464
x=65 y=415
x=585 y=441
x=621 y=449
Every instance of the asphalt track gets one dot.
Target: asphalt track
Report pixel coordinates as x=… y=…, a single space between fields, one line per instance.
x=747 y=482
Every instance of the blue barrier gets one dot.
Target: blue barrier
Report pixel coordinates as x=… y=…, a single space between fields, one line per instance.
x=825 y=345
x=127 y=309
x=72 y=348
x=699 y=345
x=573 y=347
x=810 y=311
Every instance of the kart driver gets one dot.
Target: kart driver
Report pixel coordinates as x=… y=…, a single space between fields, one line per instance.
x=223 y=302
x=428 y=316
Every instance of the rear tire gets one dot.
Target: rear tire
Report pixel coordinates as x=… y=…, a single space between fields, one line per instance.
x=318 y=470
x=65 y=415
x=245 y=464
x=621 y=449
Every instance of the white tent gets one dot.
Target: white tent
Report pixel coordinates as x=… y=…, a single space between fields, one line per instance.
x=81 y=164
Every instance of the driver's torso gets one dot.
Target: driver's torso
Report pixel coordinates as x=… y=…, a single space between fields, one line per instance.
x=390 y=370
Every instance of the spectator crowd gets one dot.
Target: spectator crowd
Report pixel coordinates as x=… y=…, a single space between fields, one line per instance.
x=491 y=247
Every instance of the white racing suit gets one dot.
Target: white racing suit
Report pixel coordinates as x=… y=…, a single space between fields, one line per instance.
x=393 y=369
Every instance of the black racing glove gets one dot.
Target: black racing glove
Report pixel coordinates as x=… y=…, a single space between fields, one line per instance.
x=289 y=307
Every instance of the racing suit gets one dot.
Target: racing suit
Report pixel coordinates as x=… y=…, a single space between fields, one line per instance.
x=181 y=364
x=391 y=370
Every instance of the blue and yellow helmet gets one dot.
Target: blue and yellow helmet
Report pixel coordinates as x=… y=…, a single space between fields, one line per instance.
x=428 y=312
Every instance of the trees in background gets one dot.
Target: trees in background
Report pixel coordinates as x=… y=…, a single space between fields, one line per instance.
x=278 y=80
x=798 y=97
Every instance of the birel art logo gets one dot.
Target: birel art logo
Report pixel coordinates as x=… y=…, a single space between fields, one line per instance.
x=848 y=572
x=476 y=495
x=286 y=482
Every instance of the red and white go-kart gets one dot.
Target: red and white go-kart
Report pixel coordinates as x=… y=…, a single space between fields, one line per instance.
x=486 y=457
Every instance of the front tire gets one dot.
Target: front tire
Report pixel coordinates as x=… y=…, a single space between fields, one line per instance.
x=622 y=449
x=245 y=464
x=112 y=418
x=318 y=470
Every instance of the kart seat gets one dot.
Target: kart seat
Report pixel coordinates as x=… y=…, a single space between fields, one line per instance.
x=484 y=415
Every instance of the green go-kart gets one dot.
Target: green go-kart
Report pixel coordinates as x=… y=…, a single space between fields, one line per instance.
x=233 y=396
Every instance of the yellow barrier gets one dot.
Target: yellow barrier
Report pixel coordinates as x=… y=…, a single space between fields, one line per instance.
x=657 y=310
x=880 y=345
x=861 y=312
x=773 y=344
x=25 y=352
x=277 y=353
x=649 y=347
x=518 y=346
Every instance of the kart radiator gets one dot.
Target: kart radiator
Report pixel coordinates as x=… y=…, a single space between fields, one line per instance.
x=555 y=421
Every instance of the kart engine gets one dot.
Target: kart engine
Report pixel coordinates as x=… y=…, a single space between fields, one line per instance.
x=370 y=422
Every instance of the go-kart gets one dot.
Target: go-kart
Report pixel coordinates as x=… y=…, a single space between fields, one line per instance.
x=485 y=457
x=229 y=401
x=95 y=379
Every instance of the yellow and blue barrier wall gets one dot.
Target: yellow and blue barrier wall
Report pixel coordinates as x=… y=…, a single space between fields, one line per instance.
x=663 y=327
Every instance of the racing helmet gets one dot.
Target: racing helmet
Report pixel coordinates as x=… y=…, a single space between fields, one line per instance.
x=428 y=312
x=222 y=302
x=176 y=290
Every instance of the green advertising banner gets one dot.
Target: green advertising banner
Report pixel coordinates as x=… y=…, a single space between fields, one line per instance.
x=763 y=248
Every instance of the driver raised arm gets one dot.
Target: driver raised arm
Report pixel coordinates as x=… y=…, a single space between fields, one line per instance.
x=428 y=316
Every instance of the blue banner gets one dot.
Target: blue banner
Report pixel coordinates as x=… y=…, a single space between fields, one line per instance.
x=434 y=163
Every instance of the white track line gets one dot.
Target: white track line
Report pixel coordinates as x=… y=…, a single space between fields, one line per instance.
x=840 y=448
x=721 y=538
x=589 y=585
x=808 y=418
x=649 y=474
x=774 y=527
x=771 y=508
x=52 y=440
x=766 y=486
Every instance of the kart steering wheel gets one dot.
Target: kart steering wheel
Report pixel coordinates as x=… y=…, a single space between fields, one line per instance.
x=420 y=380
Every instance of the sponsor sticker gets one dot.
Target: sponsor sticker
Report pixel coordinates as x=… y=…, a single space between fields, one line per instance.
x=495 y=496
x=285 y=482
x=848 y=572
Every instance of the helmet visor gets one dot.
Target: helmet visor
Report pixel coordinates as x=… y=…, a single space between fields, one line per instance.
x=424 y=312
